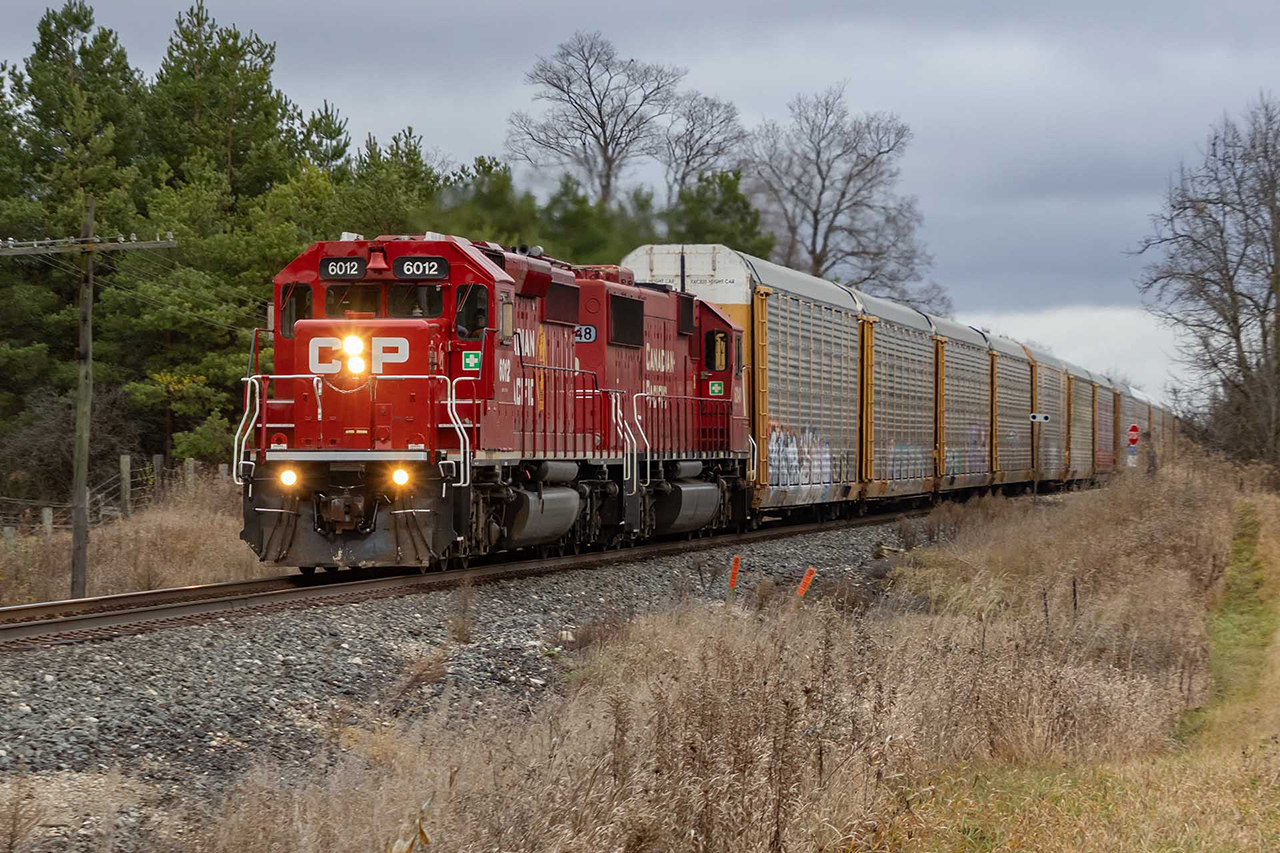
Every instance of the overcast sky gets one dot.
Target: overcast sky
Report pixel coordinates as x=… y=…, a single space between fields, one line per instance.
x=1044 y=133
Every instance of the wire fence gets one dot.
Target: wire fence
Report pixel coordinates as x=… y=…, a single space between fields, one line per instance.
x=138 y=484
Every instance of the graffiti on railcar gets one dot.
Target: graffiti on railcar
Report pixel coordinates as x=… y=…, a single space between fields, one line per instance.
x=798 y=457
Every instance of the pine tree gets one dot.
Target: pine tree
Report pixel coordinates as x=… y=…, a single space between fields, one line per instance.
x=327 y=142
x=714 y=210
x=213 y=95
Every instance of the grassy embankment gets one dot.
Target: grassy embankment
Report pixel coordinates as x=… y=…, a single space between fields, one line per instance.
x=192 y=537
x=1100 y=674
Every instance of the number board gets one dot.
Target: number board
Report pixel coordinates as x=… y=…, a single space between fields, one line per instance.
x=331 y=268
x=420 y=268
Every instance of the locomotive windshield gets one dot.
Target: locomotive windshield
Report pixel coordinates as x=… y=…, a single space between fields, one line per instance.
x=472 y=315
x=341 y=299
x=415 y=300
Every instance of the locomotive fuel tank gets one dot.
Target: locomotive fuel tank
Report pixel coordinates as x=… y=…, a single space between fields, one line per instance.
x=689 y=505
x=541 y=517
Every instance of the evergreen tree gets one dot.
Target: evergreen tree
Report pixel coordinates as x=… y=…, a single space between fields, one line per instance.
x=77 y=68
x=327 y=142
x=714 y=210
x=392 y=190
x=213 y=95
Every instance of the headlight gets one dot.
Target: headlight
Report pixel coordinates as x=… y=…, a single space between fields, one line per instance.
x=352 y=345
x=289 y=477
x=355 y=364
x=400 y=476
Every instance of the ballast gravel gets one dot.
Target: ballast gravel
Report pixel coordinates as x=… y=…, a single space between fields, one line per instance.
x=186 y=710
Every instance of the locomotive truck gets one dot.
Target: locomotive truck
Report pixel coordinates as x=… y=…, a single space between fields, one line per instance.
x=434 y=398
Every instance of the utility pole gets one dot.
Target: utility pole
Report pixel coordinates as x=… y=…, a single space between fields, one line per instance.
x=84 y=407
x=87 y=246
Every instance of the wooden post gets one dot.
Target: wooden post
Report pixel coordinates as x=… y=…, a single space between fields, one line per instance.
x=126 y=482
x=11 y=538
x=157 y=476
x=84 y=404
x=222 y=472
x=46 y=521
x=189 y=473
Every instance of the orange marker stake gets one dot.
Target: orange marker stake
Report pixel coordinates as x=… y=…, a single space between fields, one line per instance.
x=804 y=584
x=733 y=572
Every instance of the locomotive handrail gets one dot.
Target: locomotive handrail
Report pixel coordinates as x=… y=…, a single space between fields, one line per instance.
x=455 y=420
x=648 y=451
x=241 y=439
x=664 y=398
x=753 y=459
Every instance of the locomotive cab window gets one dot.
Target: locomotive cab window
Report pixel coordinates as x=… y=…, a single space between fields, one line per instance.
x=342 y=300
x=506 y=320
x=716 y=356
x=626 y=321
x=737 y=346
x=471 y=317
x=415 y=300
x=297 y=306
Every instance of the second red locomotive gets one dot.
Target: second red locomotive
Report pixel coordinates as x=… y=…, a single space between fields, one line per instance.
x=434 y=398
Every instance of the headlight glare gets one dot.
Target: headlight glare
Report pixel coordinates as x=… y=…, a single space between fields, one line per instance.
x=352 y=345
x=400 y=477
x=355 y=364
x=289 y=477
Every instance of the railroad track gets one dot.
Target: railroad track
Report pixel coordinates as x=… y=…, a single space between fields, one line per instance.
x=104 y=617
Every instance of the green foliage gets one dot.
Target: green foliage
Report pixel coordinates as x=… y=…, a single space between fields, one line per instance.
x=213 y=152
x=715 y=210
x=213 y=95
x=208 y=442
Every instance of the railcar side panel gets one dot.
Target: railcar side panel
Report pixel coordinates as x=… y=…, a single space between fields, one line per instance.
x=1105 y=433
x=1082 y=455
x=813 y=401
x=903 y=408
x=1050 y=400
x=1013 y=417
x=967 y=409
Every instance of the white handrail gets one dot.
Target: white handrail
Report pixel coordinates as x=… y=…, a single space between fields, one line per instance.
x=247 y=424
x=753 y=459
x=240 y=441
x=648 y=451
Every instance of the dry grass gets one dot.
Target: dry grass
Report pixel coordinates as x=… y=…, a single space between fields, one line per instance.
x=192 y=537
x=1066 y=635
x=461 y=622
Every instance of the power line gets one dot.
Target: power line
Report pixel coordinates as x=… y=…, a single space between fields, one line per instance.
x=155 y=303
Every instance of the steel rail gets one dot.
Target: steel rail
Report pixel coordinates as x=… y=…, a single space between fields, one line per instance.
x=103 y=617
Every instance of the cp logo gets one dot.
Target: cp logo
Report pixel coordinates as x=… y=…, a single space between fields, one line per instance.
x=384 y=351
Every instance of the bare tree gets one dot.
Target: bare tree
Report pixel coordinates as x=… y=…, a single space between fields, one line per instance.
x=604 y=111
x=827 y=179
x=702 y=137
x=1215 y=277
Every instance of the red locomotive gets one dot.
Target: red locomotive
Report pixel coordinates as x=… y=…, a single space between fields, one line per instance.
x=434 y=398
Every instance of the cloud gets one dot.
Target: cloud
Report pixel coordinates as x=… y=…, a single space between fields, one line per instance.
x=1044 y=132
x=1120 y=341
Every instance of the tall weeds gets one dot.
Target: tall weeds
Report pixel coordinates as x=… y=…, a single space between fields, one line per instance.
x=1046 y=633
x=191 y=536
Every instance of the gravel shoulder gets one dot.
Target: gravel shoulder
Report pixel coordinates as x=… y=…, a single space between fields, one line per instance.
x=169 y=718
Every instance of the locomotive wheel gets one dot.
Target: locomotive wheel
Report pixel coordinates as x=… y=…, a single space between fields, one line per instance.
x=307 y=570
x=461 y=561
x=331 y=568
